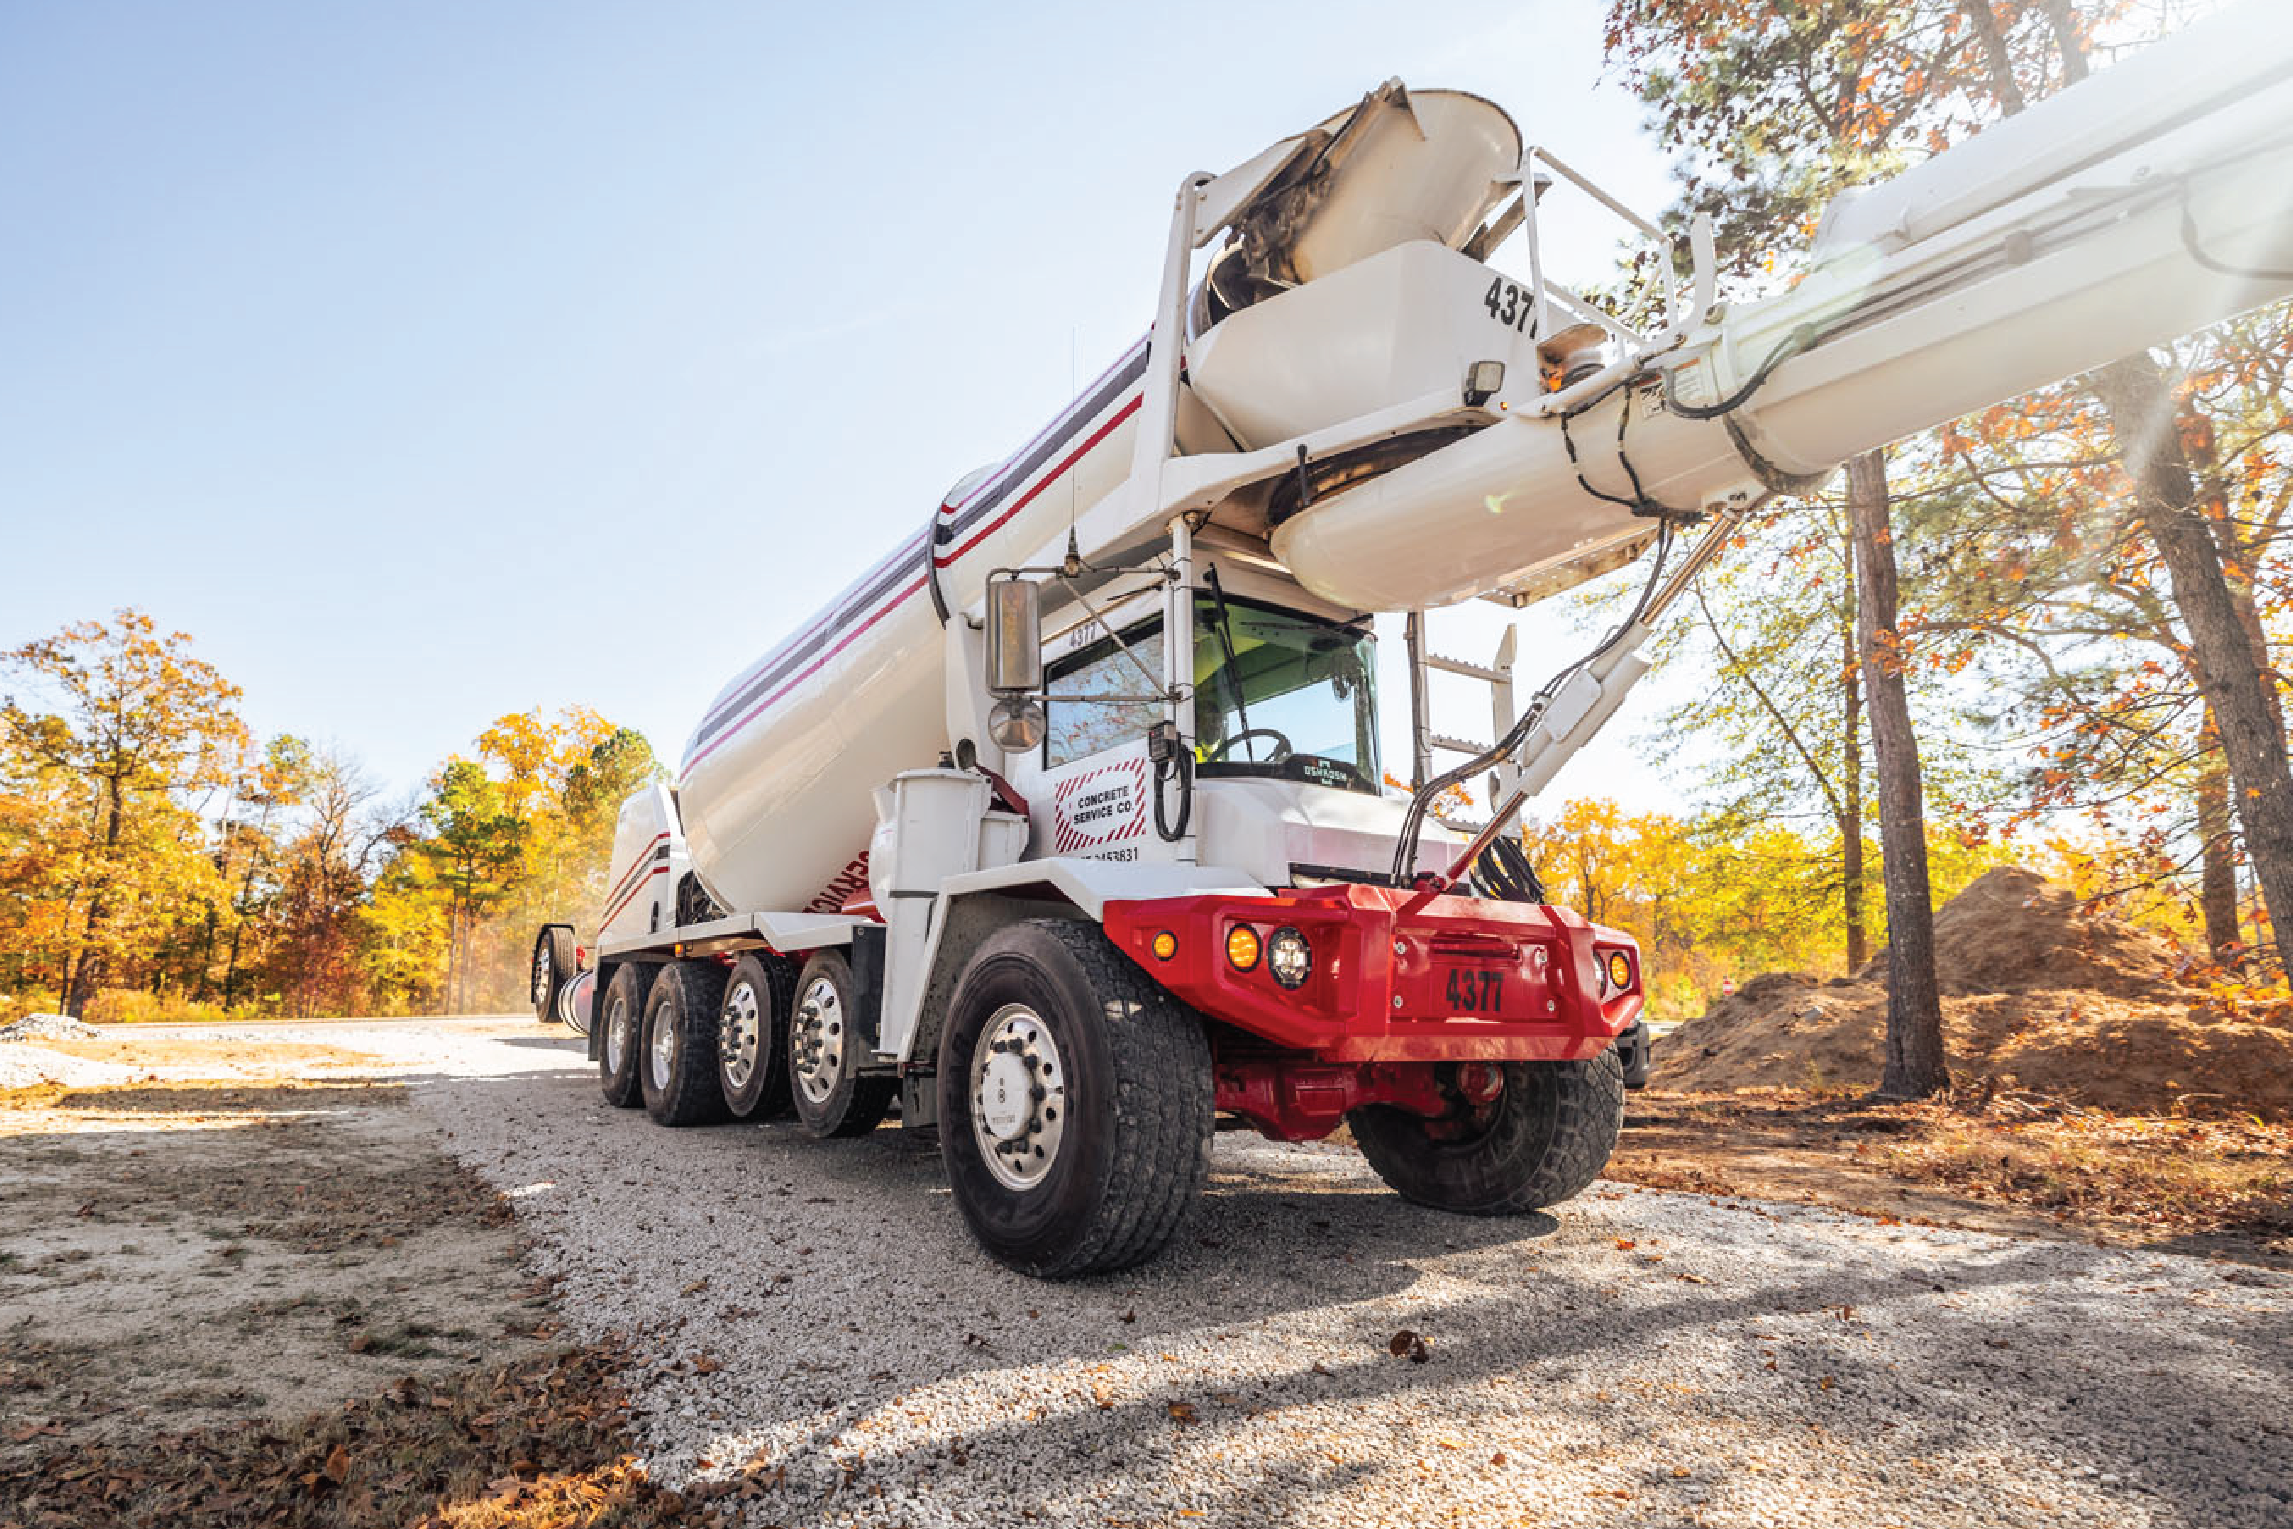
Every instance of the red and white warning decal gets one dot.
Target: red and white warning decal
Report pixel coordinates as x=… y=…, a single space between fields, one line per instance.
x=1099 y=807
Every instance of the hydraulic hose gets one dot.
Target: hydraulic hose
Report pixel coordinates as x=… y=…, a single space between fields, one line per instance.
x=1422 y=799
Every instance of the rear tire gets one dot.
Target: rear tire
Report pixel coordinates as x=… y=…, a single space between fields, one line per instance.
x=679 y=1064
x=752 y=1037
x=621 y=1027
x=1075 y=1103
x=1538 y=1143
x=825 y=1051
x=552 y=969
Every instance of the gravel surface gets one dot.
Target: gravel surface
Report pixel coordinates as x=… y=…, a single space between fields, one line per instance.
x=814 y=1315
x=47 y=1027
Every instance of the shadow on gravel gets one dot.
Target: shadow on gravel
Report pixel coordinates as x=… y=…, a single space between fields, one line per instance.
x=1279 y=1236
x=2127 y=1403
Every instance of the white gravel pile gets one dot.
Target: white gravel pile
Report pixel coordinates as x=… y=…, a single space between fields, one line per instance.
x=813 y=1317
x=47 y=1027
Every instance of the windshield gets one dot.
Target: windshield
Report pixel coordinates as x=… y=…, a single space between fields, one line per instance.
x=1280 y=694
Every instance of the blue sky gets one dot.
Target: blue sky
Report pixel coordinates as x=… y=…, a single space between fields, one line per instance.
x=435 y=361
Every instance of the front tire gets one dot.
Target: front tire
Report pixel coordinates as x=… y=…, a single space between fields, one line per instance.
x=825 y=1052
x=752 y=1037
x=1544 y=1138
x=1075 y=1103
x=679 y=1066
x=622 y=1022
x=552 y=970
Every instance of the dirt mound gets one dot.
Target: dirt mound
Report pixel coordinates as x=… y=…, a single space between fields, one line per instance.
x=2012 y=930
x=2038 y=994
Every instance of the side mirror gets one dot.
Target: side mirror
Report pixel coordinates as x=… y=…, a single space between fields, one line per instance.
x=1014 y=636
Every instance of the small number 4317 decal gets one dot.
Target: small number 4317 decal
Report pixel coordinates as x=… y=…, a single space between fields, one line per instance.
x=1508 y=303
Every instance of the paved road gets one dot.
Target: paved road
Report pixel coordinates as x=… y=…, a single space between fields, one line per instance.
x=814 y=1314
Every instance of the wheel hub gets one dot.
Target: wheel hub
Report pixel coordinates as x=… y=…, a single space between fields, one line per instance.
x=541 y=966
x=816 y=1048
x=664 y=1051
x=738 y=1035
x=1018 y=1097
x=617 y=1037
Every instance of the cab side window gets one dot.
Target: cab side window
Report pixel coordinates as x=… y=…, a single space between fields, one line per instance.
x=1078 y=729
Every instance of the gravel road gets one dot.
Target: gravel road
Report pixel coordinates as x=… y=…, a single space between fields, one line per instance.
x=815 y=1315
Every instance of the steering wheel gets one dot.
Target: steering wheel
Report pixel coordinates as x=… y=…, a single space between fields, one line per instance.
x=1225 y=745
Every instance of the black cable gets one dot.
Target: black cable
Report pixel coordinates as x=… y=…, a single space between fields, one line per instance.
x=2219 y=268
x=1802 y=338
x=1421 y=800
x=1181 y=763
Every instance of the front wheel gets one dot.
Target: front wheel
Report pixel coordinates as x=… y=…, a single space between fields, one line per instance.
x=552 y=970
x=1545 y=1135
x=1075 y=1103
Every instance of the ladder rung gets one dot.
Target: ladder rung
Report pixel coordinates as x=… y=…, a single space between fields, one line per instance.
x=1470 y=671
x=1456 y=745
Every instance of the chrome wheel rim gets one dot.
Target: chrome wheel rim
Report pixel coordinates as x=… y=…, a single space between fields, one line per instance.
x=617 y=1036
x=662 y=1054
x=816 y=1041
x=737 y=1035
x=541 y=965
x=1018 y=1097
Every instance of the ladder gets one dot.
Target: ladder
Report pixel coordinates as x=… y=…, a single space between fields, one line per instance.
x=1496 y=674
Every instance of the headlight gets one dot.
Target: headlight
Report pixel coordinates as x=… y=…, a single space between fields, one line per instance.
x=1016 y=723
x=1289 y=958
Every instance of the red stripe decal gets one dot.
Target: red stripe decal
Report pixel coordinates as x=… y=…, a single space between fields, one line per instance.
x=1056 y=473
x=1089 y=442
x=907 y=549
x=615 y=911
x=995 y=479
x=758 y=710
x=643 y=855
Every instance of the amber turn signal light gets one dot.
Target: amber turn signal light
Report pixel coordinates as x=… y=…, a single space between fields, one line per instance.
x=1242 y=947
x=1164 y=945
x=1619 y=970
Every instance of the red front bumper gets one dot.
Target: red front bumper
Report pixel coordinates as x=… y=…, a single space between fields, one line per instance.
x=1457 y=979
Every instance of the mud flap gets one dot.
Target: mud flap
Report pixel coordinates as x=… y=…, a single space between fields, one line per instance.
x=1633 y=1048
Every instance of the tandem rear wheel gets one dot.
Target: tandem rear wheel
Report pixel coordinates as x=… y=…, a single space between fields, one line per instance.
x=827 y=1048
x=1543 y=1137
x=678 y=1075
x=1075 y=1102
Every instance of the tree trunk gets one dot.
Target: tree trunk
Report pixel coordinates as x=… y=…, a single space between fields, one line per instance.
x=2217 y=874
x=2141 y=407
x=1915 y=1064
x=1851 y=780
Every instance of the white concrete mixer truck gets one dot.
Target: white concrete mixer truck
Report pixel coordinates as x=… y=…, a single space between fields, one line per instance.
x=1065 y=828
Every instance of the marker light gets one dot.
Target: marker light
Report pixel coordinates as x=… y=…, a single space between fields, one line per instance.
x=1289 y=958
x=1242 y=947
x=1619 y=970
x=1164 y=945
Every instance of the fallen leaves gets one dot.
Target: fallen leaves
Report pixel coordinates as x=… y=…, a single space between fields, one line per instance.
x=542 y=1442
x=1409 y=1345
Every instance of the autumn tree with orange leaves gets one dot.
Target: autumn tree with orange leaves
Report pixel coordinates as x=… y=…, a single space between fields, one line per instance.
x=1783 y=106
